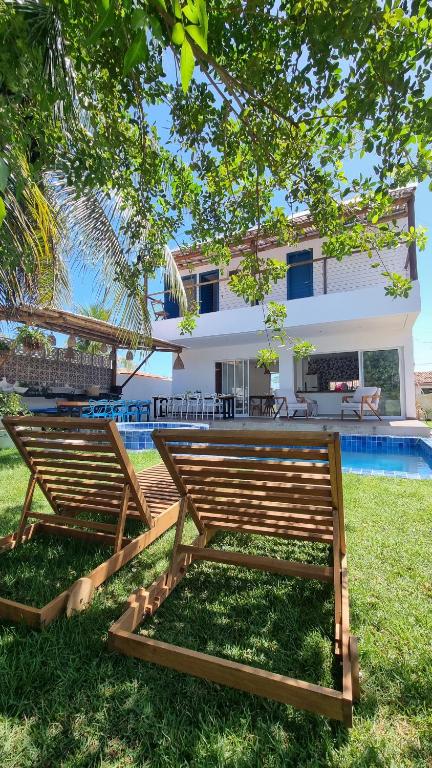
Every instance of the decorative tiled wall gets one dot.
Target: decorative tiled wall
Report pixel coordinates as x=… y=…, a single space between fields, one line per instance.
x=51 y=369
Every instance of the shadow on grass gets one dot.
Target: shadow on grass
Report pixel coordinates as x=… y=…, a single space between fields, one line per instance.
x=102 y=708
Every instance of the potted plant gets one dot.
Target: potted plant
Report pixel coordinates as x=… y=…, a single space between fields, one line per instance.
x=31 y=339
x=10 y=405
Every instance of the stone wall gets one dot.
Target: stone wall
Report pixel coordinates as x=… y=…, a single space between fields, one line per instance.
x=51 y=369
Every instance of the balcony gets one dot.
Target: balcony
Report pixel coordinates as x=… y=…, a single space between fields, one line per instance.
x=304 y=316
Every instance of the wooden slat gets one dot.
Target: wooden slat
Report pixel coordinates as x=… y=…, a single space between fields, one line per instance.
x=214 y=463
x=84 y=500
x=75 y=457
x=57 y=487
x=287 y=490
x=74 y=521
x=66 y=446
x=284 y=533
x=51 y=434
x=268 y=520
x=269 y=564
x=198 y=449
x=249 y=437
x=87 y=472
x=287 y=513
x=78 y=482
x=214 y=474
x=57 y=422
x=258 y=502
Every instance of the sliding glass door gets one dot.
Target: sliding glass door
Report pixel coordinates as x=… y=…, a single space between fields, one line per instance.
x=381 y=369
x=235 y=381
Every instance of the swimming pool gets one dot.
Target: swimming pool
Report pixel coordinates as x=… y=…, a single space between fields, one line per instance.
x=408 y=457
x=137 y=434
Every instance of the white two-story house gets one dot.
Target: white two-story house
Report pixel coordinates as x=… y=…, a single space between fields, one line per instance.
x=362 y=336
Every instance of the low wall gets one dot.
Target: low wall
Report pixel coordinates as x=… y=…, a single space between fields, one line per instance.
x=51 y=369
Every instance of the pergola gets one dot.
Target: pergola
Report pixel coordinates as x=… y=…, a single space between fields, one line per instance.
x=69 y=323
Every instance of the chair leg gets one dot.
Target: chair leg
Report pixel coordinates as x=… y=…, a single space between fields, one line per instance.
x=26 y=508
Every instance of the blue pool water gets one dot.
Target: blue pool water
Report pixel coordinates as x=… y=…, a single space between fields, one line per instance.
x=408 y=457
x=137 y=434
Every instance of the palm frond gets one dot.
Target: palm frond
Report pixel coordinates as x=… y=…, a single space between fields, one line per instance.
x=32 y=270
x=96 y=239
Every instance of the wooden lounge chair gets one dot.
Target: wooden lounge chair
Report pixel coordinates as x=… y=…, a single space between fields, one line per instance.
x=265 y=483
x=84 y=472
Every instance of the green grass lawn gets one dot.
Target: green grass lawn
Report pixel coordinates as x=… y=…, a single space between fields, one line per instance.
x=65 y=701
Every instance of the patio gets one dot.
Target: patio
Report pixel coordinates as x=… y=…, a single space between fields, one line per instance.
x=395 y=427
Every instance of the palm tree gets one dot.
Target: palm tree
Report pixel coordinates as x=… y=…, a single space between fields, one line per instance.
x=50 y=225
x=97 y=312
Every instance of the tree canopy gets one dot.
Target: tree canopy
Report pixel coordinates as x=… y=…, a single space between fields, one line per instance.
x=204 y=120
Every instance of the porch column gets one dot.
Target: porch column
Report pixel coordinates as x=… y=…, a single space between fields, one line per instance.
x=286 y=369
x=408 y=381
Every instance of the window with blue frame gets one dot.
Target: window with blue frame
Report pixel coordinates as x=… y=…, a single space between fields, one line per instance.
x=300 y=276
x=209 y=292
x=171 y=306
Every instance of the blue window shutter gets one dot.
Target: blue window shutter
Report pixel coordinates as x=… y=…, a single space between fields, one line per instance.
x=300 y=279
x=209 y=294
x=171 y=306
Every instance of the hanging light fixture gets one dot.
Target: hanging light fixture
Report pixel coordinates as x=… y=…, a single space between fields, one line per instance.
x=71 y=342
x=104 y=349
x=178 y=363
x=52 y=340
x=69 y=354
x=129 y=355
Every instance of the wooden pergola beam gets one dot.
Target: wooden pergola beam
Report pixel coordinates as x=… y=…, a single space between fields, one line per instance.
x=60 y=321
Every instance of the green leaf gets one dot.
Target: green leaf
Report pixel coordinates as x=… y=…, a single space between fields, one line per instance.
x=102 y=24
x=2 y=210
x=4 y=174
x=197 y=35
x=202 y=10
x=178 y=33
x=191 y=12
x=136 y=53
x=103 y=6
x=187 y=64
x=139 y=19
x=156 y=28
x=177 y=10
x=161 y=4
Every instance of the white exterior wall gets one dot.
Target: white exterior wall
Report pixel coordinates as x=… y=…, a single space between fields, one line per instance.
x=144 y=387
x=199 y=371
x=351 y=273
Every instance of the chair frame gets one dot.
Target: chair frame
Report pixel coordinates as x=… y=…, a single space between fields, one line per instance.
x=79 y=594
x=145 y=602
x=365 y=402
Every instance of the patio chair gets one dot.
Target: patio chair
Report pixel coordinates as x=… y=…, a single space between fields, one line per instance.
x=364 y=399
x=84 y=472
x=286 y=398
x=267 y=483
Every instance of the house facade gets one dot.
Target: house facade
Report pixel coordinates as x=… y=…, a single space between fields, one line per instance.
x=362 y=336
